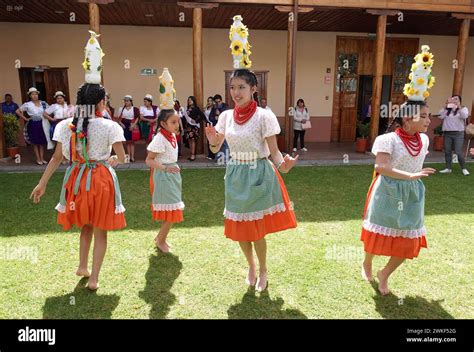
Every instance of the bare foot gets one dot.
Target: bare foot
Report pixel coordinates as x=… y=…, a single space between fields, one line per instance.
x=262 y=282
x=163 y=247
x=83 y=272
x=92 y=285
x=366 y=272
x=383 y=283
x=251 y=279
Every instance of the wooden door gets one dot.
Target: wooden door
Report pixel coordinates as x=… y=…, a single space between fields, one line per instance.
x=27 y=80
x=348 y=107
x=56 y=79
x=262 y=79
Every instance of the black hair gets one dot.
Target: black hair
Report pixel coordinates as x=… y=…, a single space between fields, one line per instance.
x=408 y=109
x=163 y=116
x=193 y=98
x=248 y=76
x=217 y=96
x=89 y=95
x=8 y=95
x=300 y=100
x=457 y=109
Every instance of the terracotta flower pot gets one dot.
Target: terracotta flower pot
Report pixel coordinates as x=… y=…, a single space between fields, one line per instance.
x=438 y=143
x=361 y=145
x=13 y=151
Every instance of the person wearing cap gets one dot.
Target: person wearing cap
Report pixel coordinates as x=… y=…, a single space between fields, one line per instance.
x=128 y=117
x=35 y=131
x=58 y=111
x=148 y=115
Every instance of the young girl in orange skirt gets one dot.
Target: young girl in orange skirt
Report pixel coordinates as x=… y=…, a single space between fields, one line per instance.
x=90 y=195
x=394 y=212
x=256 y=200
x=165 y=177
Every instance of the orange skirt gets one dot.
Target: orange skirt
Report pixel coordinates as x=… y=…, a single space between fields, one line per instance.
x=250 y=231
x=379 y=244
x=401 y=247
x=164 y=215
x=95 y=207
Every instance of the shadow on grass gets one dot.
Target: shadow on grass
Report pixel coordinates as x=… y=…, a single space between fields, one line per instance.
x=163 y=270
x=409 y=307
x=80 y=304
x=262 y=306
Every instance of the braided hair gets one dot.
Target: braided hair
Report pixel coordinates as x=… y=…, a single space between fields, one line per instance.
x=407 y=109
x=88 y=96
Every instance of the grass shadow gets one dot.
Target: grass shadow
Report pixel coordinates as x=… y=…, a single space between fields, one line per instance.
x=409 y=307
x=80 y=304
x=262 y=307
x=163 y=270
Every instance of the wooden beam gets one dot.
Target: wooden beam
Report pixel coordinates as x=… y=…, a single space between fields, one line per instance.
x=94 y=25
x=291 y=9
x=94 y=18
x=198 y=81
x=463 y=16
x=382 y=12
x=290 y=75
x=415 y=5
x=101 y=2
x=377 y=81
x=461 y=56
x=198 y=5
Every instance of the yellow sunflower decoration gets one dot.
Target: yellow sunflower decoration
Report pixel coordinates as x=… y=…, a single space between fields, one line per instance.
x=238 y=35
x=420 y=77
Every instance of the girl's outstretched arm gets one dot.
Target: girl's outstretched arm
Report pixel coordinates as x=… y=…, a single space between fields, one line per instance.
x=282 y=164
x=53 y=164
x=384 y=167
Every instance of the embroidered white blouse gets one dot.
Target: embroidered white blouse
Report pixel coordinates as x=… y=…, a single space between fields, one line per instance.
x=166 y=153
x=102 y=133
x=399 y=157
x=35 y=112
x=247 y=142
x=60 y=112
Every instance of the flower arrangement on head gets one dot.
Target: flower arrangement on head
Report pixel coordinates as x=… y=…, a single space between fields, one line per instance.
x=238 y=35
x=420 y=77
x=167 y=91
x=89 y=95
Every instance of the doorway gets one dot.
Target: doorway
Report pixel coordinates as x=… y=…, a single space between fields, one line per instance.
x=46 y=80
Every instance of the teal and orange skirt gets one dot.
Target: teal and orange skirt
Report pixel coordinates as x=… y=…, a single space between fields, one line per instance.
x=256 y=201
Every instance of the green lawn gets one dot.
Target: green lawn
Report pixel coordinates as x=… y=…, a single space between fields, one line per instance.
x=313 y=270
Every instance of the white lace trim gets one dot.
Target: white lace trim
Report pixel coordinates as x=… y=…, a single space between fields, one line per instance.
x=256 y=215
x=168 y=207
x=387 y=231
x=119 y=209
x=60 y=208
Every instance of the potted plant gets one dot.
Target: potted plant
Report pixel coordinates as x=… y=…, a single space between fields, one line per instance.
x=438 y=139
x=11 y=128
x=362 y=142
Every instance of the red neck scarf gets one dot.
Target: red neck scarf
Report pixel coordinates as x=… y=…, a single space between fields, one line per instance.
x=169 y=136
x=412 y=143
x=242 y=115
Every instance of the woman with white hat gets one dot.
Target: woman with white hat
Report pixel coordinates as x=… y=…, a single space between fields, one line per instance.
x=35 y=131
x=128 y=116
x=58 y=111
x=148 y=115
